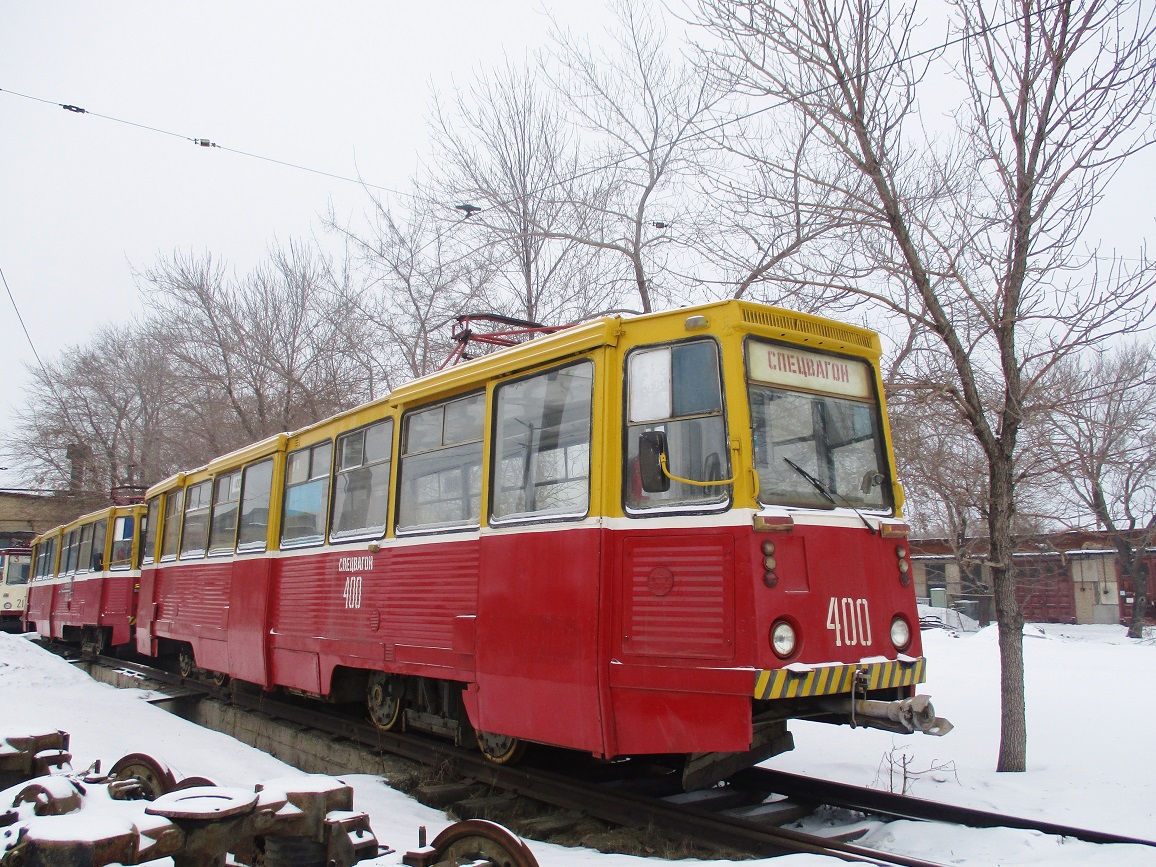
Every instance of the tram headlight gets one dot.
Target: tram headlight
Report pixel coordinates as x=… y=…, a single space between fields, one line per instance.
x=900 y=633
x=783 y=639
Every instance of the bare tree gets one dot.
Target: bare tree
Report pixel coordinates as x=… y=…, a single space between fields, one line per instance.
x=1102 y=447
x=504 y=146
x=983 y=225
x=413 y=278
x=640 y=109
x=254 y=356
x=96 y=418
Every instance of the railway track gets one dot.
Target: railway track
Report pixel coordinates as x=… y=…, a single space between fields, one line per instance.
x=737 y=815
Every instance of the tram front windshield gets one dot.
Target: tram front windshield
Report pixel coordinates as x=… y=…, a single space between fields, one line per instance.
x=15 y=568
x=815 y=425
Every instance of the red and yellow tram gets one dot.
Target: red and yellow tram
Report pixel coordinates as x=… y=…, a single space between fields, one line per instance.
x=84 y=581
x=667 y=534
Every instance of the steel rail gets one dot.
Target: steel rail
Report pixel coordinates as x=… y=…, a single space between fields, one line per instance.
x=906 y=807
x=625 y=808
x=620 y=808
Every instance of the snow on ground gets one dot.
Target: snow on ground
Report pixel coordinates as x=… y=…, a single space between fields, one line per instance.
x=1089 y=698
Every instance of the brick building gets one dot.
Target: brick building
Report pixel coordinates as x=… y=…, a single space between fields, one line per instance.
x=24 y=515
x=1072 y=577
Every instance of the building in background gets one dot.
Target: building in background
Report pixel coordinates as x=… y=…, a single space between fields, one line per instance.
x=1072 y=577
x=24 y=515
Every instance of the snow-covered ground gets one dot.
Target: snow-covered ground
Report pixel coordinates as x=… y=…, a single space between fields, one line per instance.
x=1091 y=763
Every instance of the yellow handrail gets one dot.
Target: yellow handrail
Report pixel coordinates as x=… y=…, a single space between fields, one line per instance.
x=672 y=476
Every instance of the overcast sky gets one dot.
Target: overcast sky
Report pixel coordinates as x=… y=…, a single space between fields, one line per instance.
x=339 y=87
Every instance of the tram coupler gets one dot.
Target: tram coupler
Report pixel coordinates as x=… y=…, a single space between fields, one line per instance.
x=904 y=716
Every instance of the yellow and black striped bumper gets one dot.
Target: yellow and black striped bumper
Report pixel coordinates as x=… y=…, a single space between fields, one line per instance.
x=836 y=679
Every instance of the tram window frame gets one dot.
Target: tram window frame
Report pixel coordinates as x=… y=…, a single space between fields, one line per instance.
x=251 y=501
x=658 y=404
x=198 y=507
x=434 y=455
x=220 y=512
x=45 y=566
x=316 y=462
x=834 y=401
x=174 y=512
x=70 y=551
x=354 y=461
x=121 y=554
x=151 y=526
x=535 y=473
x=97 y=545
x=84 y=552
x=14 y=576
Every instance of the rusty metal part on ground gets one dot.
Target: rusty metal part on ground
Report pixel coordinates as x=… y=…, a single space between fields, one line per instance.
x=473 y=842
x=91 y=819
x=23 y=757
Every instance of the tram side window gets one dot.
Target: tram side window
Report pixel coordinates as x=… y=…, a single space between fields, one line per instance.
x=543 y=429
x=361 y=485
x=677 y=391
x=83 y=562
x=195 y=529
x=46 y=559
x=95 y=562
x=70 y=552
x=306 y=495
x=256 y=488
x=223 y=525
x=122 y=534
x=148 y=549
x=441 y=466
x=174 y=508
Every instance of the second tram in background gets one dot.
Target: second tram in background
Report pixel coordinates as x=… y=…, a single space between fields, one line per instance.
x=85 y=579
x=15 y=564
x=668 y=534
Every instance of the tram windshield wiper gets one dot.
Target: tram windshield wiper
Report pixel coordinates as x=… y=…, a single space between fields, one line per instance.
x=827 y=494
x=818 y=486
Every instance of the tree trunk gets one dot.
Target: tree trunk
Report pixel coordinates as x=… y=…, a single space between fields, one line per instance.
x=1013 y=744
x=1139 y=572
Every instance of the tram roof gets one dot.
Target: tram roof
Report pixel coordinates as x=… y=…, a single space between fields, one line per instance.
x=88 y=518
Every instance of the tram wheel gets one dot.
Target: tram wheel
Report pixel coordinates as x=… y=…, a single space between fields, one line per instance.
x=501 y=749
x=383 y=699
x=186 y=664
x=154 y=776
x=93 y=640
x=219 y=678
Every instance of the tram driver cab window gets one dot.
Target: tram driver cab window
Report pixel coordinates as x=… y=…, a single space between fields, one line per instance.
x=674 y=409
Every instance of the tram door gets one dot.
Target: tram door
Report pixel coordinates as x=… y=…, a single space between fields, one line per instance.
x=537 y=618
x=249 y=587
